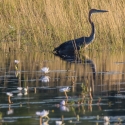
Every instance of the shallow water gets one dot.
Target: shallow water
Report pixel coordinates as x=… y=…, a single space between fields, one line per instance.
x=101 y=75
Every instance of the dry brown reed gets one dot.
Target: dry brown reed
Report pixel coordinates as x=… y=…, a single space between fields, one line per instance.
x=44 y=24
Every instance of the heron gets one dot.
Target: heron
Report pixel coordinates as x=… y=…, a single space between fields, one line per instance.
x=74 y=45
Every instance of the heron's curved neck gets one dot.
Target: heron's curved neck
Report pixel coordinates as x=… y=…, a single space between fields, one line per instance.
x=92 y=35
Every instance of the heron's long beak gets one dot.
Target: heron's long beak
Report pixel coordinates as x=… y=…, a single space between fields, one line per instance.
x=101 y=11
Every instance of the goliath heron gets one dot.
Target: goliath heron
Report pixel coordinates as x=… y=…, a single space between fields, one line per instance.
x=73 y=45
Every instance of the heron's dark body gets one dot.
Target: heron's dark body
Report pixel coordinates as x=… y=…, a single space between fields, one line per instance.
x=72 y=45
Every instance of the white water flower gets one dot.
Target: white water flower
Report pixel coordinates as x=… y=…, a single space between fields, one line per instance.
x=64 y=89
x=44 y=113
x=16 y=61
x=106 y=118
x=9 y=94
x=45 y=70
x=45 y=79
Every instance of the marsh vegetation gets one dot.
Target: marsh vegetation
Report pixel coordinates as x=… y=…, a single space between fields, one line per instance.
x=43 y=25
x=32 y=79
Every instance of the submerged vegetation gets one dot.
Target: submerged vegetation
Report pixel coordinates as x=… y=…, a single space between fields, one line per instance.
x=44 y=24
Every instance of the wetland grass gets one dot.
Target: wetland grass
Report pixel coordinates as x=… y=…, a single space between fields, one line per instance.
x=43 y=25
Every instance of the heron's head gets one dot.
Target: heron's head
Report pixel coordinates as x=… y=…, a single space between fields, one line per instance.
x=96 y=11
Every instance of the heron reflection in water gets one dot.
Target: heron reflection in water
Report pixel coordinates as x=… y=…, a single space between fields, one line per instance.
x=75 y=45
x=83 y=59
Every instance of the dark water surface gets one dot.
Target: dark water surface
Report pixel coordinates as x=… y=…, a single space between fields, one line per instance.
x=96 y=81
